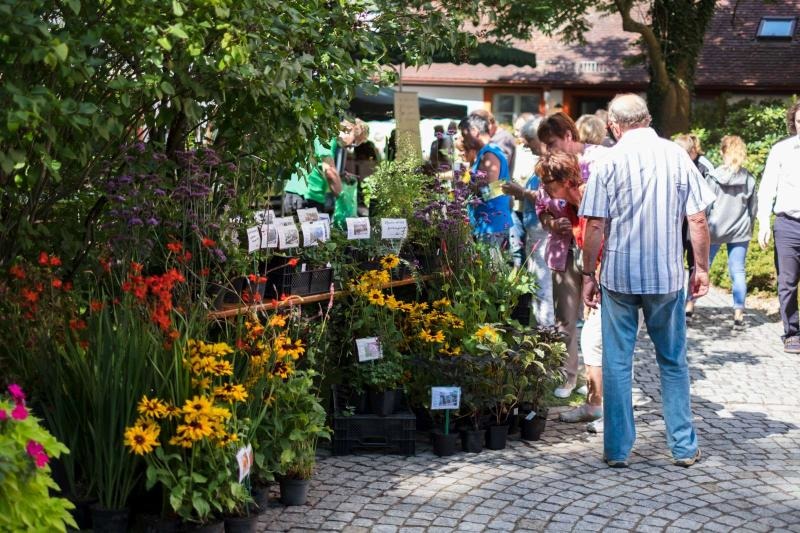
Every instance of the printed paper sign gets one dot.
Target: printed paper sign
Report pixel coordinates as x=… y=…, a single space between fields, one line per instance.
x=307 y=215
x=288 y=237
x=394 y=228
x=245 y=459
x=253 y=239
x=369 y=349
x=358 y=228
x=284 y=221
x=326 y=218
x=315 y=232
x=267 y=216
x=269 y=236
x=445 y=397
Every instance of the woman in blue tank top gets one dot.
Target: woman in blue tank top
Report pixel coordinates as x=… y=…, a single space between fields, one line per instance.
x=491 y=217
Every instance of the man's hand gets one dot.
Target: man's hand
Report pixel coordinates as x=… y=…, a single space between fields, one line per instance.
x=698 y=283
x=591 y=292
x=764 y=236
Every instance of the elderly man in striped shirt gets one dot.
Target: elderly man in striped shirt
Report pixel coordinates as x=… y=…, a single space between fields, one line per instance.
x=637 y=196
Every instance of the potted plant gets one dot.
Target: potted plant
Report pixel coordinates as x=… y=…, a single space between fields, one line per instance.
x=299 y=421
x=543 y=373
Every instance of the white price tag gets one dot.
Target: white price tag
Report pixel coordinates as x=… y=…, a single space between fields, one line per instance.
x=358 y=228
x=307 y=215
x=288 y=237
x=369 y=349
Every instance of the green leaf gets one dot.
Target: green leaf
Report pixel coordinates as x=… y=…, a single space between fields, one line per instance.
x=178 y=31
x=74 y=5
x=167 y=87
x=165 y=44
x=61 y=50
x=177 y=8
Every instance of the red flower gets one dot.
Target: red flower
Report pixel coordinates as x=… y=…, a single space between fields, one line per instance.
x=205 y=271
x=136 y=268
x=175 y=247
x=55 y=261
x=67 y=286
x=96 y=305
x=106 y=264
x=76 y=324
x=17 y=272
x=83 y=344
x=29 y=295
x=187 y=256
x=56 y=283
x=208 y=243
x=43 y=259
x=293 y=261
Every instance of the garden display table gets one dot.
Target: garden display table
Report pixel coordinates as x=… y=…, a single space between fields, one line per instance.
x=233 y=310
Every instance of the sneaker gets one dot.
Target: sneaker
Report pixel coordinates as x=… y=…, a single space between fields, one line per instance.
x=621 y=463
x=738 y=319
x=791 y=344
x=584 y=413
x=596 y=426
x=583 y=390
x=688 y=461
x=564 y=391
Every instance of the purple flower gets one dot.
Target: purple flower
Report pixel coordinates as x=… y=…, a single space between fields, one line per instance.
x=135 y=221
x=152 y=221
x=159 y=192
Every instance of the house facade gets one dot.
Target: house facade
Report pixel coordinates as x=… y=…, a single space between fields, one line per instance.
x=750 y=52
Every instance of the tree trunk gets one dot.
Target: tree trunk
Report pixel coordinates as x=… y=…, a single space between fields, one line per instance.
x=671 y=108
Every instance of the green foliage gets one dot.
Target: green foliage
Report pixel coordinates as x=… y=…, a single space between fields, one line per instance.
x=25 y=501
x=760 y=124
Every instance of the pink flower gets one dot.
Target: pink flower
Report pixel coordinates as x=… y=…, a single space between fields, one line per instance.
x=16 y=393
x=19 y=412
x=3 y=415
x=37 y=453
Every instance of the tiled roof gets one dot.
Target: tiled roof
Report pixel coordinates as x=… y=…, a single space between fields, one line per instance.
x=731 y=56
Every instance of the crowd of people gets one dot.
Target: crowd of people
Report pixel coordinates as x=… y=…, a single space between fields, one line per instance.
x=604 y=206
x=562 y=194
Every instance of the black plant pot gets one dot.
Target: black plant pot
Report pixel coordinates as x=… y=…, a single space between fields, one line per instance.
x=472 y=440
x=261 y=497
x=532 y=428
x=241 y=524
x=513 y=424
x=496 y=437
x=109 y=520
x=444 y=445
x=82 y=513
x=157 y=524
x=382 y=403
x=294 y=491
x=213 y=527
x=424 y=419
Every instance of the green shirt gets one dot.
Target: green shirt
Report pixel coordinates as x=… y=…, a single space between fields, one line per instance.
x=314 y=185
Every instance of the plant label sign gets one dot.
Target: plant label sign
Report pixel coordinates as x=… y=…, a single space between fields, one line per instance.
x=253 y=239
x=284 y=221
x=267 y=216
x=245 y=459
x=307 y=215
x=358 y=228
x=288 y=237
x=445 y=397
x=394 y=228
x=315 y=232
x=326 y=218
x=369 y=349
x=269 y=236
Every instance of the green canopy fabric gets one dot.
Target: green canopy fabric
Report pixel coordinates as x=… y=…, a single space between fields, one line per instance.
x=380 y=106
x=491 y=54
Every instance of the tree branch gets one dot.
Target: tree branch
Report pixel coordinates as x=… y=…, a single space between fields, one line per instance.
x=652 y=44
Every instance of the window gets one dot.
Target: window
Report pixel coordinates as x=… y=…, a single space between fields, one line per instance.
x=776 y=28
x=507 y=107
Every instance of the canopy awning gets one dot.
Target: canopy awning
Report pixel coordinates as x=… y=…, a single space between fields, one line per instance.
x=380 y=106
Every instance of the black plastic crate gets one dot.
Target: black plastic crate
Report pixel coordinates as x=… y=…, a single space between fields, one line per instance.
x=284 y=279
x=355 y=433
x=320 y=280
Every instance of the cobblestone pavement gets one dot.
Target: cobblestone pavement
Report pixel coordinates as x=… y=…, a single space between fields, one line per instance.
x=744 y=392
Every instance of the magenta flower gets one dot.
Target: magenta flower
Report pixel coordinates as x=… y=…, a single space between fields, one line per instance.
x=19 y=412
x=16 y=393
x=3 y=415
x=37 y=453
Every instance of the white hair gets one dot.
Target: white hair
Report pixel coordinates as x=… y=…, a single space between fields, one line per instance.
x=629 y=111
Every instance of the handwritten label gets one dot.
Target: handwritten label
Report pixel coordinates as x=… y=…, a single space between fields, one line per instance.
x=369 y=349
x=253 y=239
x=445 y=397
x=394 y=228
x=358 y=228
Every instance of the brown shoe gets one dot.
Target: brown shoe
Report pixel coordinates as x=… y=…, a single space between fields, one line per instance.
x=688 y=461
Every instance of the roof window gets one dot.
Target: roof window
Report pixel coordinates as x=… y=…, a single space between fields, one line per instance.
x=776 y=27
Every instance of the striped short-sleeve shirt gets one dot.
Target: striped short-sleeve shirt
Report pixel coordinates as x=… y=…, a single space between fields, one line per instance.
x=644 y=187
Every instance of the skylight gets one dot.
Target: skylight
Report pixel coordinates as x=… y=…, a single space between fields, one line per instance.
x=776 y=28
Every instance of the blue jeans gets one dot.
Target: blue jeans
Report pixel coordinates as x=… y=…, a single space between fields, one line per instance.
x=737 y=252
x=666 y=324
